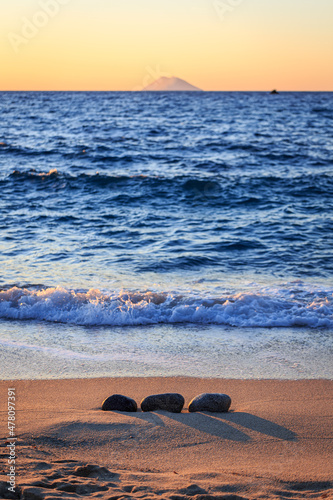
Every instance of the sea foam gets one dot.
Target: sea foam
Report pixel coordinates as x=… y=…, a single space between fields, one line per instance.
x=259 y=308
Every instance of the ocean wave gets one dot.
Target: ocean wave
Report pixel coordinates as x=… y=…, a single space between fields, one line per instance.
x=261 y=308
x=326 y=112
x=210 y=184
x=17 y=150
x=32 y=173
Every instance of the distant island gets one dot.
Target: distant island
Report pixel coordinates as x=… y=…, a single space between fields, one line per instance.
x=173 y=84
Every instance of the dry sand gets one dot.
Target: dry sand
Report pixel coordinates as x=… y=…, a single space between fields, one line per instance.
x=276 y=442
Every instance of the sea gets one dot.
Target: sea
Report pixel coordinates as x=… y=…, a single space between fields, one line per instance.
x=165 y=234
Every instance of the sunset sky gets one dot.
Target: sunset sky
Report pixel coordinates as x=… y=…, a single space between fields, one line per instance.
x=126 y=44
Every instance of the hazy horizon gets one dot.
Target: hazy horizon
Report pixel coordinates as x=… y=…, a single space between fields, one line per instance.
x=177 y=91
x=216 y=45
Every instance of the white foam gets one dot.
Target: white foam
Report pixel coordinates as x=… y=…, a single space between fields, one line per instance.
x=260 y=308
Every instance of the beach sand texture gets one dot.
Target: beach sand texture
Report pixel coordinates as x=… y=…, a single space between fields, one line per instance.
x=276 y=442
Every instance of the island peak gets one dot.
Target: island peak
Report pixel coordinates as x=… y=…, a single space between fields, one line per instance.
x=173 y=84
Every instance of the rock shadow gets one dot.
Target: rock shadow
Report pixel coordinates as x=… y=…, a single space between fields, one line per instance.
x=209 y=424
x=151 y=417
x=259 y=424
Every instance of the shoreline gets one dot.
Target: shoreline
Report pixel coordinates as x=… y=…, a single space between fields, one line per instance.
x=277 y=437
x=162 y=377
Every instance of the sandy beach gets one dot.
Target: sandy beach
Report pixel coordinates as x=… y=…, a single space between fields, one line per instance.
x=276 y=441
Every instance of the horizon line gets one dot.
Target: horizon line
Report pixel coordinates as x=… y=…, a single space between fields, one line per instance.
x=159 y=91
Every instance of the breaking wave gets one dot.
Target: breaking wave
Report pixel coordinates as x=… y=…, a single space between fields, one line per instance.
x=282 y=307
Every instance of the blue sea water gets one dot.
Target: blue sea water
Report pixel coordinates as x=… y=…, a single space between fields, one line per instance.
x=166 y=234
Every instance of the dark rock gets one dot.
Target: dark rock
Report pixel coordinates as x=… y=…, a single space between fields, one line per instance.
x=117 y=402
x=217 y=403
x=274 y=92
x=168 y=402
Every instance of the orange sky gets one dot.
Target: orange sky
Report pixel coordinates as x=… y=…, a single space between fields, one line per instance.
x=213 y=44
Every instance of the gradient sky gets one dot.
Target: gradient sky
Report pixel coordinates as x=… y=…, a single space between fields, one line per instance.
x=126 y=44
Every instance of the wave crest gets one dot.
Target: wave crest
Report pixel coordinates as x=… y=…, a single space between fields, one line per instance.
x=121 y=308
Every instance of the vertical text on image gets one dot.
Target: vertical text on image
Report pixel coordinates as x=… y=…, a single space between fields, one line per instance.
x=11 y=444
